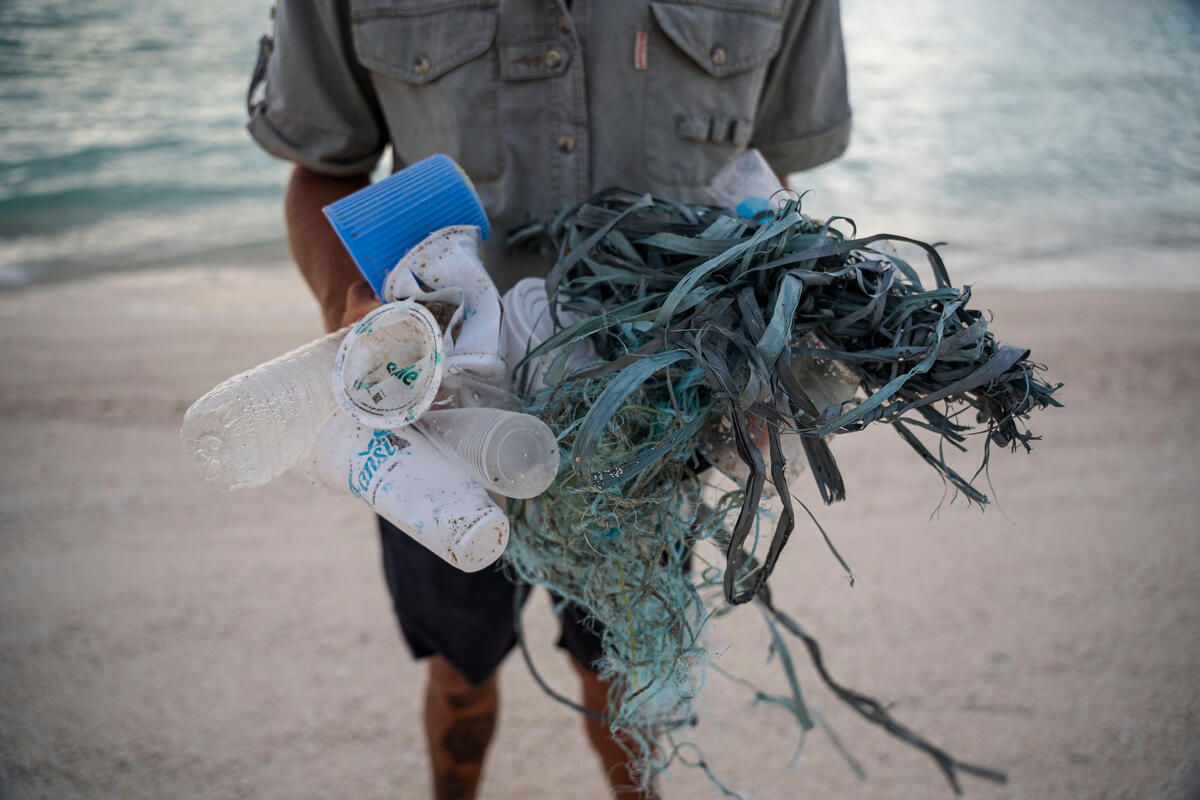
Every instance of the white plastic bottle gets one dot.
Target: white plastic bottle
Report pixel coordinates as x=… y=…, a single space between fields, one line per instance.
x=258 y=424
x=408 y=481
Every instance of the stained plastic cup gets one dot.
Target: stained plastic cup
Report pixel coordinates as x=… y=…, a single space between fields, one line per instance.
x=411 y=483
x=389 y=366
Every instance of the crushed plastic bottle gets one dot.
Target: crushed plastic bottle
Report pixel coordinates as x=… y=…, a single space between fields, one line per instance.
x=746 y=185
x=260 y=423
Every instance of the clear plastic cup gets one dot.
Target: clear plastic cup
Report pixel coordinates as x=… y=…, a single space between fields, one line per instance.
x=467 y=390
x=512 y=454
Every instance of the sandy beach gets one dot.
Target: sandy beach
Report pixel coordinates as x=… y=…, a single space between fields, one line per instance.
x=159 y=639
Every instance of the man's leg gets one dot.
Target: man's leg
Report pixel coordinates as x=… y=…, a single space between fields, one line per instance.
x=463 y=622
x=459 y=721
x=612 y=756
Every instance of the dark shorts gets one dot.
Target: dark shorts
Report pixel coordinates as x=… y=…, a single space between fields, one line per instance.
x=466 y=617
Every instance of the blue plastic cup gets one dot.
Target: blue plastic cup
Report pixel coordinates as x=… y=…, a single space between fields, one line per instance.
x=382 y=222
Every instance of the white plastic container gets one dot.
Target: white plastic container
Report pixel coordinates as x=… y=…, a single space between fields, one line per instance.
x=527 y=323
x=409 y=482
x=512 y=454
x=258 y=424
x=445 y=270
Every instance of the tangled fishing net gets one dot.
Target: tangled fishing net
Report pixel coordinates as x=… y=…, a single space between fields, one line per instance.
x=695 y=321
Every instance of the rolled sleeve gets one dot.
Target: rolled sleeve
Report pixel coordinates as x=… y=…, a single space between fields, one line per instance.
x=318 y=109
x=804 y=111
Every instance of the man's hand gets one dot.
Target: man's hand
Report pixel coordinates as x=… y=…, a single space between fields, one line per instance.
x=323 y=261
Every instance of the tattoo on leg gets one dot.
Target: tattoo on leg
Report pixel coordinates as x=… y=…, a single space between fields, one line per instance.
x=454 y=785
x=466 y=740
x=460 y=700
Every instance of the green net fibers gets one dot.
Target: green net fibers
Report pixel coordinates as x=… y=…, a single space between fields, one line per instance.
x=700 y=320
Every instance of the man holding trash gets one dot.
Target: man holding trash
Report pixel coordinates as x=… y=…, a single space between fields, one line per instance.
x=542 y=102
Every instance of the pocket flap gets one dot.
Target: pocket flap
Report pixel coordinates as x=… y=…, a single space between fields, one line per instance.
x=420 y=44
x=722 y=41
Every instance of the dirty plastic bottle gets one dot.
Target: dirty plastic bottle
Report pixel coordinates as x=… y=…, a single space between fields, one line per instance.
x=256 y=425
x=411 y=483
x=512 y=454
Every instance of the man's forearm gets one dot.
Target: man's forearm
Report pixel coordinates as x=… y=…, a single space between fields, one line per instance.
x=323 y=261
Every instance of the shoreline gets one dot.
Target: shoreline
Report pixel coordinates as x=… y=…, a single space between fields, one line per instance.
x=1102 y=268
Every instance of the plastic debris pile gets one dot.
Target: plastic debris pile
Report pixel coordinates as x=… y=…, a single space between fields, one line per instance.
x=701 y=321
x=409 y=409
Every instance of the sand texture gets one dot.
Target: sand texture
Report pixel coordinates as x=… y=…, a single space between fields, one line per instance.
x=161 y=640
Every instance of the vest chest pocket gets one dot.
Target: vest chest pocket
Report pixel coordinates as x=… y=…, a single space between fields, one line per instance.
x=705 y=71
x=434 y=70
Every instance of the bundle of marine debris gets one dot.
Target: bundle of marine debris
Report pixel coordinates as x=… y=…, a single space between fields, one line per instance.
x=704 y=321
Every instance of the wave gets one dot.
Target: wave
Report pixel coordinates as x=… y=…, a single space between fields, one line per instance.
x=146 y=238
x=64 y=209
x=88 y=157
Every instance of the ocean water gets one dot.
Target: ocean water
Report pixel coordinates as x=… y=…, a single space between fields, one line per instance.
x=1030 y=135
x=121 y=137
x=1020 y=132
